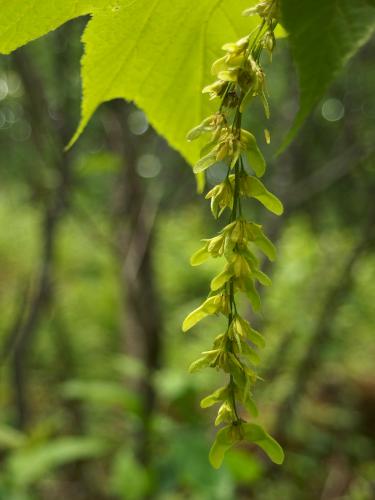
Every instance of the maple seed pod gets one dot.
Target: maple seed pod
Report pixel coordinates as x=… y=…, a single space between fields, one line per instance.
x=222 y=152
x=269 y=42
x=240 y=79
x=268 y=9
x=216 y=89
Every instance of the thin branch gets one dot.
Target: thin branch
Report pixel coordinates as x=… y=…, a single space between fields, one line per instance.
x=12 y=336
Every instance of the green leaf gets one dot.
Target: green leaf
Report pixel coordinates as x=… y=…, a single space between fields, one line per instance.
x=215 y=397
x=102 y=393
x=257 y=190
x=262 y=277
x=250 y=354
x=257 y=435
x=201 y=363
x=221 y=279
x=200 y=181
x=205 y=163
x=10 y=437
x=324 y=36
x=193 y=318
x=251 y=406
x=267 y=247
x=199 y=256
x=154 y=52
x=223 y=441
x=257 y=235
x=210 y=306
x=22 y=21
x=30 y=464
x=256 y=160
x=256 y=338
x=253 y=335
x=202 y=128
x=252 y=294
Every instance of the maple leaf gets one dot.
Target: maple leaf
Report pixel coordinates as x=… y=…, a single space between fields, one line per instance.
x=156 y=53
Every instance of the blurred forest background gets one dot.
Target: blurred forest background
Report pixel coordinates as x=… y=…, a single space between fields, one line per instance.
x=96 y=401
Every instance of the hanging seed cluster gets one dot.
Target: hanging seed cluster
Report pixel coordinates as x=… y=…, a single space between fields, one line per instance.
x=240 y=79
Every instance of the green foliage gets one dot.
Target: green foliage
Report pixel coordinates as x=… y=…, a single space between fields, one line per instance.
x=32 y=463
x=323 y=37
x=245 y=467
x=130 y=481
x=104 y=393
x=10 y=438
x=254 y=188
x=22 y=22
x=149 y=52
x=210 y=306
x=256 y=434
x=129 y=53
x=215 y=397
x=223 y=442
x=230 y=435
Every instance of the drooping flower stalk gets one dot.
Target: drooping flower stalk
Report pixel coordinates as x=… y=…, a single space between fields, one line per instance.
x=240 y=79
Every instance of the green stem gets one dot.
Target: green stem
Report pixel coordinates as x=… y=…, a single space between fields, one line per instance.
x=233 y=308
x=254 y=49
x=233 y=397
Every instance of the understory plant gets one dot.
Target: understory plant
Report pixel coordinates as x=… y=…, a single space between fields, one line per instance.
x=240 y=79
